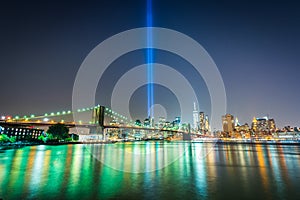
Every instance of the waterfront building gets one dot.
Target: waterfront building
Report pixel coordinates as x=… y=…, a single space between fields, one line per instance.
x=21 y=133
x=152 y=123
x=242 y=128
x=167 y=124
x=254 y=124
x=177 y=121
x=147 y=122
x=161 y=122
x=242 y=131
x=287 y=129
x=138 y=122
x=263 y=125
x=272 y=125
x=228 y=123
x=207 y=126
x=202 y=122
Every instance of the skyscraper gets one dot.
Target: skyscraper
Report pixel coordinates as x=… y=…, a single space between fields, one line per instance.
x=236 y=123
x=254 y=124
x=228 y=123
x=195 y=117
x=207 y=126
x=202 y=122
x=263 y=124
x=272 y=126
x=161 y=122
x=177 y=120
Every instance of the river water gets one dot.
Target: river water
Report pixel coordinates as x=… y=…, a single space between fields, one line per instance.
x=151 y=170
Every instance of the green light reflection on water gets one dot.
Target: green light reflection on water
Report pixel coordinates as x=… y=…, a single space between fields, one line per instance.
x=71 y=171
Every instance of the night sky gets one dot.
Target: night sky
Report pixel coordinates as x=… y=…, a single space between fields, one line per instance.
x=255 y=44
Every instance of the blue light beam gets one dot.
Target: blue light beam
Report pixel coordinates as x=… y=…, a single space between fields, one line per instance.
x=150 y=59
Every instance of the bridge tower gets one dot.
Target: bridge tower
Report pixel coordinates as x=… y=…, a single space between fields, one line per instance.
x=98 y=115
x=187 y=136
x=98 y=119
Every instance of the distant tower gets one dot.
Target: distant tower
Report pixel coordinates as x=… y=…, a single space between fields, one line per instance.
x=272 y=126
x=202 y=122
x=207 y=126
x=236 y=123
x=228 y=123
x=152 y=124
x=161 y=122
x=254 y=124
x=195 y=117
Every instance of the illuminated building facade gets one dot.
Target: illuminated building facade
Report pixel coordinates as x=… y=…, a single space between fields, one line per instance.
x=236 y=123
x=152 y=123
x=207 y=126
x=254 y=124
x=147 y=122
x=272 y=125
x=202 y=122
x=177 y=121
x=161 y=122
x=228 y=123
x=195 y=117
x=21 y=133
x=242 y=128
x=167 y=124
x=263 y=125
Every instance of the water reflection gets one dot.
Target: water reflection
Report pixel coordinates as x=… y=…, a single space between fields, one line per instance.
x=203 y=171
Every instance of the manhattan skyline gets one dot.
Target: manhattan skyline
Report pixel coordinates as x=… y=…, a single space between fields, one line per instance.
x=255 y=46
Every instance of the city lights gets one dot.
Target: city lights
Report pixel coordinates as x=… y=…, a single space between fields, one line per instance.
x=45 y=119
x=260 y=129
